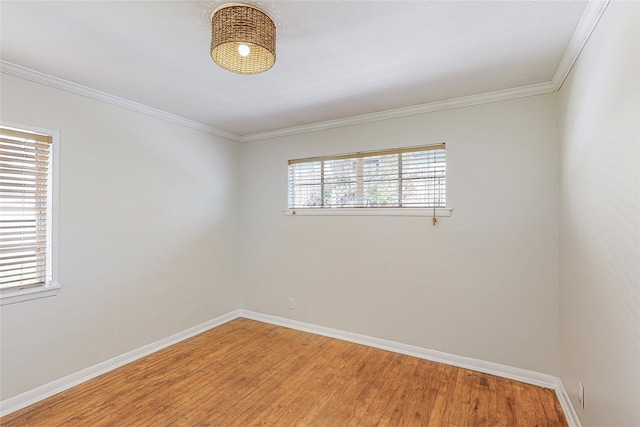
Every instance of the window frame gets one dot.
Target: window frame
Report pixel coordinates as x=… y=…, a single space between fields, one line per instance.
x=437 y=211
x=52 y=286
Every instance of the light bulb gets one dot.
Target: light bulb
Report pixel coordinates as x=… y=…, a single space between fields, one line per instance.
x=243 y=50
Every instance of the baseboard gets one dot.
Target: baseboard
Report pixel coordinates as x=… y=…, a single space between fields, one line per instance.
x=504 y=371
x=30 y=397
x=518 y=374
x=523 y=375
x=567 y=406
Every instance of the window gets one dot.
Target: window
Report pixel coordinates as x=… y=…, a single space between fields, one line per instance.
x=412 y=177
x=26 y=181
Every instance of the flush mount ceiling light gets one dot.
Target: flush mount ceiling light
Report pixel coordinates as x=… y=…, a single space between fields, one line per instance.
x=243 y=39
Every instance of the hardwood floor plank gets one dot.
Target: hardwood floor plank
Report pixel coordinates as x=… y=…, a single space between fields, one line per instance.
x=247 y=373
x=503 y=405
x=478 y=400
x=548 y=399
x=458 y=415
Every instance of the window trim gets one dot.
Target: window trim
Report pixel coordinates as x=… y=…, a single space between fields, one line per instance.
x=382 y=211
x=374 y=153
x=437 y=211
x=52 y=287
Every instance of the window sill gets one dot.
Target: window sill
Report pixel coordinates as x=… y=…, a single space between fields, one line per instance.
x=21 y=295
x=428 y=212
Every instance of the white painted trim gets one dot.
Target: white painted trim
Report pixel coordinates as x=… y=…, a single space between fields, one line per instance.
x=587 y=24
x=504 y=371
x=440 y=212
x=30 y=397
x=52 y=286
x=28 y=294
x=567 y=407
x=58 y=83
x=518 y=374
x=466 y=101
x=37 y=394
x=449 y=104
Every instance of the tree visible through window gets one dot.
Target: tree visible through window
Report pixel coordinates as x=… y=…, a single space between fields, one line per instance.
x=408 y=177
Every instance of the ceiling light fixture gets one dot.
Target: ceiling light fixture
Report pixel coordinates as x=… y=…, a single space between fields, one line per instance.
x=243 y=39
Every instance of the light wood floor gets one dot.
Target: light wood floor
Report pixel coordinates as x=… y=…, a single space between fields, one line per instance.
x=247 y=373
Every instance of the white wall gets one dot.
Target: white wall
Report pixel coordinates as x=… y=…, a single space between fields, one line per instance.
x=154 y=239
x=482 y=283
x=600 y=223
x=148 y=224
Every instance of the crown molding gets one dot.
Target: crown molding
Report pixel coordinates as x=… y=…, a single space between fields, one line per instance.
x=58 y=83
x=448 y=104
x=587 y=24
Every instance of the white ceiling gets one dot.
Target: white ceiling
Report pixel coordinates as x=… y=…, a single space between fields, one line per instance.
x=335 y=59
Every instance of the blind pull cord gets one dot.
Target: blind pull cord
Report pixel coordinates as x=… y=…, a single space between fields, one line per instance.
x=434 y=216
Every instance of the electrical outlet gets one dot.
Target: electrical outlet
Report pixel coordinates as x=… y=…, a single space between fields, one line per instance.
x=292 y=303
x=581 y=395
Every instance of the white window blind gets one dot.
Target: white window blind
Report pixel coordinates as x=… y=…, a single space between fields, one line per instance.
x=409 y=177
x=25 y=176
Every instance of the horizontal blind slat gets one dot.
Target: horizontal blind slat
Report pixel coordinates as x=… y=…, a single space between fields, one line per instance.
x=24 y=174
x=20 y=281
x=16 y=133
x=21 y=259
x=369 y=154
x=22 y=269
x=401 y=177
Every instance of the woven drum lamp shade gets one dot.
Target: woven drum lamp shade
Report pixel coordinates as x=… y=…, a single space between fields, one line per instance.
x=243 y=39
